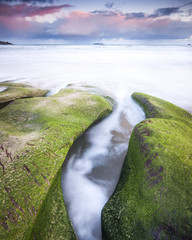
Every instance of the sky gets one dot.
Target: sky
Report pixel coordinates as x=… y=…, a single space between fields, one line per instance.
x=81 y=21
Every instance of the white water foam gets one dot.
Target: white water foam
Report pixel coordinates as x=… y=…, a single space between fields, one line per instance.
x=92 y=172
x=2 y=89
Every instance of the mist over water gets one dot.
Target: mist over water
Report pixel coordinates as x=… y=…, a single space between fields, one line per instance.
x=93 y=165
x=163 y=71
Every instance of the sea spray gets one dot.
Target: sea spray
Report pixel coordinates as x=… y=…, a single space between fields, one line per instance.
x=93 y=166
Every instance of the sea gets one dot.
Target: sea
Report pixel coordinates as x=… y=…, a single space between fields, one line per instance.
x=93 y=165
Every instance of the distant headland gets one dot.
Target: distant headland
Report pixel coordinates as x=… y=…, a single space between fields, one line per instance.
x=100 y=44
x=5 y=43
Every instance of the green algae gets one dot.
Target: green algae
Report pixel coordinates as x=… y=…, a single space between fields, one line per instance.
x=92 y=89
x=153 y=197
x=15 y=91
x=36 y=134
x=158 y=108
x=52 y=221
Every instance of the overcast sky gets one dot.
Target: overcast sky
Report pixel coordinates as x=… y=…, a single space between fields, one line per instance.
x=80 y=21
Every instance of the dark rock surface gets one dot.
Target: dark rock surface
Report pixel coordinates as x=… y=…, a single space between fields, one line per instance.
x=5 y=43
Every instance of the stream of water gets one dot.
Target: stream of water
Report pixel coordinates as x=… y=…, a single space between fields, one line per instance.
x=93 y=165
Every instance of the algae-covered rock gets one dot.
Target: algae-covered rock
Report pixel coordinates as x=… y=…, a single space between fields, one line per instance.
x=35 y=136
x=153 y=199
x=13 y=91
x=92 y=89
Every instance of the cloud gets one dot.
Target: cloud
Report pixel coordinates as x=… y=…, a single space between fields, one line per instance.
x=23 y=19
x=13 y=26
x=109 y=4
x=51 y=22
x=130 y=26
x=164 y=12
x=29 y=10
x=135 y=15
x=186 y=10
x=105 y=13
x=187 y=4
x=27 y=1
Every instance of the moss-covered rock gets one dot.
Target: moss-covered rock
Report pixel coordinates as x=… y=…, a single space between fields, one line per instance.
x=92 y=89
x=15 y=91
x=153 y=199
x=35 y=136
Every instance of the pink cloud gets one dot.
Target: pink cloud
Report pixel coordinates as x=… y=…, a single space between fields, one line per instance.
x=51 y=22
x=81 y=23
x=29 y=10
x=78 y=23
x=15 y=23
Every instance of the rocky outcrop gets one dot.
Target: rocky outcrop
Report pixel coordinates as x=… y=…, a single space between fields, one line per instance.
x=153 y=197
x=5 y=43
x=98 y=44
x=13 y=91
x=35 y=136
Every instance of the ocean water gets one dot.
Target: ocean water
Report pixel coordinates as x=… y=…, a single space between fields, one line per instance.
x=91 y=170
x=163 y=71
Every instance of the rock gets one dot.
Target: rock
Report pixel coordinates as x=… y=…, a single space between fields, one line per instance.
x=98 y=44
x=35 y=137
x=15 y=91
x=92 y=89
x=153 y=197
x=5 y=43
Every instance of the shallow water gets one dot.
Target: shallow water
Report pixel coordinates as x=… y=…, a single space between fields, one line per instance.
x=93 y=165
x=2 y=89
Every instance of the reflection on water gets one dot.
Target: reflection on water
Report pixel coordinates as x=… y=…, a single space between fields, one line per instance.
x=92 y=169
